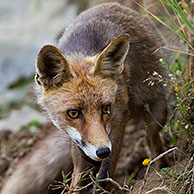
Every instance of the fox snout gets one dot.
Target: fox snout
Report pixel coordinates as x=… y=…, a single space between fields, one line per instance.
x=103 y=152
x=96 y=153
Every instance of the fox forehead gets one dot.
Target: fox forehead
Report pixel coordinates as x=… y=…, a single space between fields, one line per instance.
x=81 y=93
x=83 y=90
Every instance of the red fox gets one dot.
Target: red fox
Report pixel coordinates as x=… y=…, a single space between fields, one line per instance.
x=96 y=80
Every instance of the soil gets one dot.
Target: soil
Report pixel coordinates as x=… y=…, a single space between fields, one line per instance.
x=15 y=146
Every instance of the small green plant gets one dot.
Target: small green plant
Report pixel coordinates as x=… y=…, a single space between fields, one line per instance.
x=178 y=176
x=65 y=185
x=182 y=92
x=33 y=125
x=66 y=177
x=4 y=110
x=181 y=19
x=172 y=173
x=130 y=178
x=178 y=20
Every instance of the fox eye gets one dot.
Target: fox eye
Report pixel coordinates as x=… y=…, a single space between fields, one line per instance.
x=74 y=113
x=106 y=109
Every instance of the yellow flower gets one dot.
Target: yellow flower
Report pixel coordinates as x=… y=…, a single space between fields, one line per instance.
x=185 y=5
x=176 y=88
x=146 y=161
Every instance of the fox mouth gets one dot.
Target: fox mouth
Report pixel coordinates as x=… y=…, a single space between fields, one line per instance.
x=88 y=157
x=92 y=152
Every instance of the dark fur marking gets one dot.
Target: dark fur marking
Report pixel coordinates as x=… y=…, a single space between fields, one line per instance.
x=103 y=174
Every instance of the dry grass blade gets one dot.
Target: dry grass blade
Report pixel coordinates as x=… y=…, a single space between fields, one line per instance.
x=163 y=188
x=175 y=50
x=154 y=16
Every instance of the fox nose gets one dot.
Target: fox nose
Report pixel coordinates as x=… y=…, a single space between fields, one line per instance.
x=103 y=152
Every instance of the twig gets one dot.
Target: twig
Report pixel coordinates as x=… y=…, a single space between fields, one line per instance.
x=124 y=188
x=161 y=155
x=101 y=188
x=185 y=171
x=164 y=188
x=81 y=188
x=187 y=182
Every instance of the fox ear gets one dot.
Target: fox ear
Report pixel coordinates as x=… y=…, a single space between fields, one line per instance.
x=52 y=68
x=110 y=62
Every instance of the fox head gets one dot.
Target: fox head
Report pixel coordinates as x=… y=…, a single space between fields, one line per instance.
x=79 y=93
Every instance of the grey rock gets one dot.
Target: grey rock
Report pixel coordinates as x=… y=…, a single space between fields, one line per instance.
x=25 y=26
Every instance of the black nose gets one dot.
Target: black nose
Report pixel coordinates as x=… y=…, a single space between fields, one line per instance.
x=103 y=152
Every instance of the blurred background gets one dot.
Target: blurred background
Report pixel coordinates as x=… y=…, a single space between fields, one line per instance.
x=25 y=26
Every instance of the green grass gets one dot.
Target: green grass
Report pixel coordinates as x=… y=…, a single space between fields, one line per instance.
x=179 y=20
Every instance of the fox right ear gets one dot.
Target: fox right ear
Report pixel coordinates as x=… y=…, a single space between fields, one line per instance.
x=52 y=68
x=110 y=62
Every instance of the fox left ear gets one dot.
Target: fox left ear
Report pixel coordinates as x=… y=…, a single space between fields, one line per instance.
x=110 y=62
x=52 y=68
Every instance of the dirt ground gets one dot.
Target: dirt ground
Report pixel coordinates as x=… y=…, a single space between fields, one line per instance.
x=15 y=146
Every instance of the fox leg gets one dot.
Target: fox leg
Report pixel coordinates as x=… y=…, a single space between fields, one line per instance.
x=108 y=165
x=155 y=120
x=78 y=168
x=80 y=164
